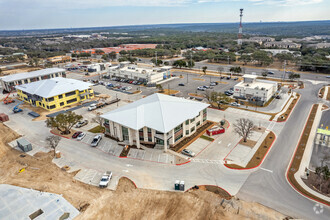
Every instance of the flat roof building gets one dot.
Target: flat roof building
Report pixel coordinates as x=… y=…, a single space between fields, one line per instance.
x=146 y=75
x=255 y=90
x=55 y=93
x=282 y=44
x=9 y=82
x=156 y=119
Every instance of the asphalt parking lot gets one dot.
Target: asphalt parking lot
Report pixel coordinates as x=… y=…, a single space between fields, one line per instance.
x=191 y=82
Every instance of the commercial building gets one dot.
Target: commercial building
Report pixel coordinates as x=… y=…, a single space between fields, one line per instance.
x=97 y=67
x=9 y=82
x=282 y=44
x=55 y=93
x=158 y=119
x=146 y=75
x=255 y=90
x=59 y=59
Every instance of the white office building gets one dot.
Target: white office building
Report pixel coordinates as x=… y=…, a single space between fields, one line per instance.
x=9 y=82
x=254 y=89
x=157 y=119
x=143 y=74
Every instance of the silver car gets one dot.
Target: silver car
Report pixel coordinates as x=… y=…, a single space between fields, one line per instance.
x=96 y=140
x=188 y=152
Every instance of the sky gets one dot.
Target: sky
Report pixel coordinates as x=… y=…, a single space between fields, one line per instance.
x=44 y=14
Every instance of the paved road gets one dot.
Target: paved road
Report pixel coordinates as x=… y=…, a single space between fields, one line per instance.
x=271 y=188
x=277 y=73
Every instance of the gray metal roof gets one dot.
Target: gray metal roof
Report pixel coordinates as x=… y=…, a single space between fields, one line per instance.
x=27 y=75
x=51 y=87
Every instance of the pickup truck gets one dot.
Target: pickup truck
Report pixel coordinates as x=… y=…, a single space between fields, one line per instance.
x=96 y=105
x=105 y=179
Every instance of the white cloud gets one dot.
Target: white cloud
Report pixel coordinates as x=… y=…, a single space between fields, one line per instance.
x=285 y=2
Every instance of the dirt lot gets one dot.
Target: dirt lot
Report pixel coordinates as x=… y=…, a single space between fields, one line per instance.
x=124 y=203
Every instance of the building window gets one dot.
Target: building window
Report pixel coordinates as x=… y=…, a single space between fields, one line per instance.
x=187 y=122
x=192 y=120
x=198 y=123
x=70 y=93
x=178 y=137
x=61 y=103
x=158 y=132
x=149 y=130
x=52 y=106
x=159 y=141
x=177 y=128
x=60 y=96
x=187 y=132
x=25 y=81
x=71 y=100
x=204 y=111
x=56 y=74
x=192 y=129
x=50 y=99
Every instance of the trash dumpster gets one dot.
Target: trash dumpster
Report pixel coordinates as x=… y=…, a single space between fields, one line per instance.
x=177 y=185
x=182 y=185
x=24 y=145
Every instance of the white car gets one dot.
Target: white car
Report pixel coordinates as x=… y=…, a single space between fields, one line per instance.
x=201 y=88
x=96 y=140
x=92 y=107
x=105 y=179
x=235 y=104
x=188 y=152
x=81 y=136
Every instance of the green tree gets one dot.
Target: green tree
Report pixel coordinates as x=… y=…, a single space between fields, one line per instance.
x=0 y=72
x=180 y=63
x=262 y=58
x=204 y=68
x=160 y=87
x=294 y=76
x=63 y=122
x=112 y=55
x=99 y=52
x=159 y=61
x=190 y=64
x=236 y=69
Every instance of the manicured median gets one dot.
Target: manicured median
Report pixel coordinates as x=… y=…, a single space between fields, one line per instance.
x=298 y=155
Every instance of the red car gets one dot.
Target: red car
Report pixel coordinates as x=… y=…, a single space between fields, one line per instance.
x=76 y=134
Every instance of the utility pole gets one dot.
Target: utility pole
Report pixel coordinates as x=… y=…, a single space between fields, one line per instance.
x=191 y=59
x=156 y=57
x=187 y=78
x=228 y=59
x=284 y=71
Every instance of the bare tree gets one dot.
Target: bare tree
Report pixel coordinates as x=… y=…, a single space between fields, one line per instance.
x=243 y=127
x=53 y=141
x=98 y=120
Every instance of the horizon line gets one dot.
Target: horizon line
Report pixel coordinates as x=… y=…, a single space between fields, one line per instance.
x=133 y=25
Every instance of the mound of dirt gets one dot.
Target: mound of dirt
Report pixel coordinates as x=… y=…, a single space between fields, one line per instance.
x=126 y=202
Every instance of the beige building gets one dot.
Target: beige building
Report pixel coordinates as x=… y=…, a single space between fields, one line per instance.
x=282 y=44
x=255 y=90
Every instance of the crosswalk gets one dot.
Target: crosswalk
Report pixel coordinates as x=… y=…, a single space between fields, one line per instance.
x=207 y=161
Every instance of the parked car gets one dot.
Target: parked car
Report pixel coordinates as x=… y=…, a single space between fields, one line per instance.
x=270 y=73
x=213 y=83
x=222 y=77
x=188 y=152
x=236 y=78
x=181 y=84
x=96 y=140
x=228 y=77
x=228 y=93
x=201 y=88
x=207 y=87
x=105 y=179
x=81 y=123
x=235 y=104
x=81 y=136
x=76 y=134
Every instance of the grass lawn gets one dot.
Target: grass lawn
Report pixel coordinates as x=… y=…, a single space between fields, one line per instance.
x=97 y=129
x=207 y=138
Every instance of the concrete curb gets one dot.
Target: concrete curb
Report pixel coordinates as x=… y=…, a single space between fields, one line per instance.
x=290 y=112
x=252 y=156
x=290 y=164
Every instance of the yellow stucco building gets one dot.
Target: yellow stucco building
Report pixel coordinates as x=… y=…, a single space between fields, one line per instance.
x=56 y=93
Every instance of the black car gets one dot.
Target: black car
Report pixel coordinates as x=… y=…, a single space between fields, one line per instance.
x=181 y=84
x=228 y=77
